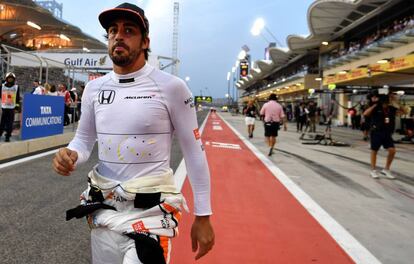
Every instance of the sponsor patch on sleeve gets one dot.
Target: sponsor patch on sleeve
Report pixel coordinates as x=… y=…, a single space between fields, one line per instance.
x=189 y=101
x=196 y=134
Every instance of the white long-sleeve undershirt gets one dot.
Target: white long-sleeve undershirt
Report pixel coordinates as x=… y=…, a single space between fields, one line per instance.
x=132 y=118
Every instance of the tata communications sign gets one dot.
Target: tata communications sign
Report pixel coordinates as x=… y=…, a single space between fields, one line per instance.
x=42 y=116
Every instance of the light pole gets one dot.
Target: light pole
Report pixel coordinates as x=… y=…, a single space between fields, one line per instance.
x=258 y=25
x=228 y=89
x=233 y=71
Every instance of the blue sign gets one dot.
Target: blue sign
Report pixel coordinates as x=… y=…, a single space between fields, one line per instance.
x=42 y=116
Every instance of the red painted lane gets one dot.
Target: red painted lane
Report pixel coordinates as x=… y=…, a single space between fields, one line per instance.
x=256 y=219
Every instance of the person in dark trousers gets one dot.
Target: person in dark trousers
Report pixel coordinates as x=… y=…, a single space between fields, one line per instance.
x=382 y=116
x=10 y=101
x=250 y=111
x=312 y=116
x=273 y=116
x=302 y=116
x=67 y=100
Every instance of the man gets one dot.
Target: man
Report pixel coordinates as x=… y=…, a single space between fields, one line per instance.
x=382 y=116
x=133 y=112
x=63 y=91
x=250 y=112
x=10 y=100
x=74 y=104
x=312 y=116
x=273 y=115
x=37 y=88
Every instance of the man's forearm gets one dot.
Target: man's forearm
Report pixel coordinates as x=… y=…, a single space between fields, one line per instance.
x=368 y=112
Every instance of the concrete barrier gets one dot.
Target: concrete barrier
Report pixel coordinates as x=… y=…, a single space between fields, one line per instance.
x=19 y=148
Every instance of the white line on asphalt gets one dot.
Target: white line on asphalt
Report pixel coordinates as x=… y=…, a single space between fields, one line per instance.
x=15 y=162
x=181 y=172
x=348 y=243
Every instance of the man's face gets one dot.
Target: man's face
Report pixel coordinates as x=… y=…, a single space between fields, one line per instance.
x=10 y=79
x=35 y=84
x=125 y=42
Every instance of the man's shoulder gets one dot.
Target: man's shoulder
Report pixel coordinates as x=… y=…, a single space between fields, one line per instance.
x=166 y=80
x=96 y=83
x=164 y=77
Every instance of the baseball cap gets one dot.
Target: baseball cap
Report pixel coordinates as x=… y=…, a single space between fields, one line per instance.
x=127 y=11
x=10 y=74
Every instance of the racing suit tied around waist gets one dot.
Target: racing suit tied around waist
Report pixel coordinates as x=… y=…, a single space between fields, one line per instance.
x=139 y=208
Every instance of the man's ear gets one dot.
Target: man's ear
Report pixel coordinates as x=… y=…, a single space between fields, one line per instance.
x=145 y=43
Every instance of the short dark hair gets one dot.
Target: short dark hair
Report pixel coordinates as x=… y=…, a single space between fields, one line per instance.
x=127 y=11
x=273 y=97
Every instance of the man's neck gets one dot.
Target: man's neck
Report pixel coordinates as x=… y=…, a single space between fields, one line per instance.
x=129 y=68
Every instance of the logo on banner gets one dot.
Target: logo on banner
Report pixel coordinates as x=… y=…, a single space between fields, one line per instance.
x=42 y=116
x=106 y=96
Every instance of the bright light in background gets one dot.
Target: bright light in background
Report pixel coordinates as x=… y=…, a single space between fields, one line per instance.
x=233 y=69
x=242 y=55
x=257 y=26
x=382 y=61
x=64 y=37
x=187 y=79
x=228 y=76
x=33 y=25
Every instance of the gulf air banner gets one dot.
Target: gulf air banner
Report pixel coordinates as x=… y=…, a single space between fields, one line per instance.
x=397 y=64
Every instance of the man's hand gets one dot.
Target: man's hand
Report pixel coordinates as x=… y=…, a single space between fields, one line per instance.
x=202 y=236
x=64 y=161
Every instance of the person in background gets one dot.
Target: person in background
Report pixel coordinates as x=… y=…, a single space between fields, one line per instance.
x=273 y=116
x=132 y=203
x=74 y=104
x=10 y=101
x=382 y=115
x=250 y=111
x=37 y=88
x=312 y=116
x=302 y=117
x=47 y=88
x=52 y=90
x=67 y=100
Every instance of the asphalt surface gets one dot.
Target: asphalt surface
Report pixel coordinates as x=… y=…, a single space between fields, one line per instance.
x=33 y=202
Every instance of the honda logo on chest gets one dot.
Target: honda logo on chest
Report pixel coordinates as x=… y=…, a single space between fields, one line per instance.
x=106 y=96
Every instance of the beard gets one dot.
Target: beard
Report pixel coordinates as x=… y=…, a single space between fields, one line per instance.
x=124 y=58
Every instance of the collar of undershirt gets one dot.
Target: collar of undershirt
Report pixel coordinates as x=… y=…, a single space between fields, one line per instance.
x=133 y=76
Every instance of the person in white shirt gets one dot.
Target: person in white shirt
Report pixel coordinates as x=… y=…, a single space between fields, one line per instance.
x=132 y=113
x=38 y=89
x=52 y=90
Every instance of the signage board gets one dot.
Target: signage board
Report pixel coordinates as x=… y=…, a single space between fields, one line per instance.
x=42 y=116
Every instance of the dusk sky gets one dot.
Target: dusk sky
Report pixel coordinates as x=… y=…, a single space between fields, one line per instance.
x=211 y=32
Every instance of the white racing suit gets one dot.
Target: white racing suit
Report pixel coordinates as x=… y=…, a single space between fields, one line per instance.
x=112 y=230
x=132 y=118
